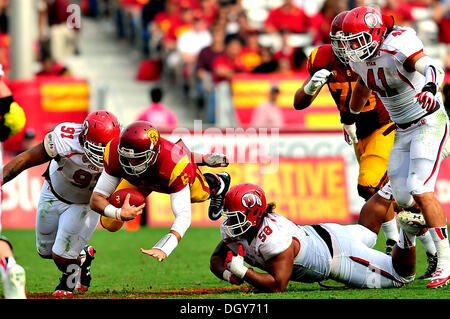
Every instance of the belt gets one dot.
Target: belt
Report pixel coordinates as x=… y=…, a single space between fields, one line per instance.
x=323 y=233
x=404 y=126
x=56 y=195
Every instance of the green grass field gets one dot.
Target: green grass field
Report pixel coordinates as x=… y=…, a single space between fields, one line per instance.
x=121 y=271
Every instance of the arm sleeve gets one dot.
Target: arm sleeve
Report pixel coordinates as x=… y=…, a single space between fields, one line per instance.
x=181 y=207
x=106 y=184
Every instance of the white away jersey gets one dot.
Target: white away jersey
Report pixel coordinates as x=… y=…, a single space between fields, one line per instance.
x=385 y=74
x=275 y=236
x=71 y=174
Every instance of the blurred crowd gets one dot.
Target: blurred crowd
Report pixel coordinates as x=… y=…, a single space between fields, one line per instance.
x=198 y=44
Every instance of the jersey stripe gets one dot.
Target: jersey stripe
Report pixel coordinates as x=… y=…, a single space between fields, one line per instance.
x=106 y=153
x=181 y=165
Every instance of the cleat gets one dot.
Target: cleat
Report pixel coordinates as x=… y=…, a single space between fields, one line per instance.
x=86 y=256
x=14 y=283
x=412 y=223
x=390 y=243
x=216 y=205
x=62 y=293
x=67 y=283
x=432 y=264
x=440 y=278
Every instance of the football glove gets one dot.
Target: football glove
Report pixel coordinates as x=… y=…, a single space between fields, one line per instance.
x=350 y=134
x=233 y=279
x=317 y=81
x=427 y=97
x=235 y=264
x=215 y=160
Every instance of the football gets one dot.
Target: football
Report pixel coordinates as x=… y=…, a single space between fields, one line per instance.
x=117 y=199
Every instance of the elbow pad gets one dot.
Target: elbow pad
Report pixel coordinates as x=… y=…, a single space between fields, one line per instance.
x=12 y=118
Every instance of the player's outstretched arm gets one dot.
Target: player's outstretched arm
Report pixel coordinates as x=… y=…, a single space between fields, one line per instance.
x=32 y=157
x=360 y=96
x=310 y=89
x=279 y=269
x=181 y=208
x=217 y=265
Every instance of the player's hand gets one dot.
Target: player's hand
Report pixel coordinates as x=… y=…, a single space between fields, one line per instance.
x=317 y=81
x=215 y=160
x=128 y=212
x=235 y=264
x=350 y=134
x=427 y=99
x=155 y=252
x=231 y=278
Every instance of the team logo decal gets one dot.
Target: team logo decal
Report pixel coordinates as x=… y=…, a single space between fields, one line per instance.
x=153 y=135
x=371 y=20
x=249 y=200
x=85 y=128
x=117 y=199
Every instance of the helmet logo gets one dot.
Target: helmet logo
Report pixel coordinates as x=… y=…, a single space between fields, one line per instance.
x=249 y=200
x=153 y=136
x=371 y=19
x=85 y=127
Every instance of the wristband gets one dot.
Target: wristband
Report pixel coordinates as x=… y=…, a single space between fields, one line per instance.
x=354 y=112
x=167 y=244
x=112 y=212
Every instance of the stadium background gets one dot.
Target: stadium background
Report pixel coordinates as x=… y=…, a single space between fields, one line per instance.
x=77 y=56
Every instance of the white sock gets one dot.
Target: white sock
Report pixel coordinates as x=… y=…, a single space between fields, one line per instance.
x=428 y=243
x=440 y=239
x=5 y=264
x=406 y=240
x=390 y=229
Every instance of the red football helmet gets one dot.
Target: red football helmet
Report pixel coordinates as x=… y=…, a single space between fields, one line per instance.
x=336 y=36
x=99 y=128
x=139 y=147
x=244 y=207
x=364 y=32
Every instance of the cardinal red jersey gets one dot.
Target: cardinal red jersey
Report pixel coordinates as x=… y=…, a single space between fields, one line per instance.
x=372 y=116
x=172 y=171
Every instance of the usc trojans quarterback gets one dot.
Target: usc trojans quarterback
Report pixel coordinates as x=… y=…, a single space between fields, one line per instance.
x=140 y=158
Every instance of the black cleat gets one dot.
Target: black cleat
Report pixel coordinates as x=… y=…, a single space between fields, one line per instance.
x=67 y=282
x=432 y=264
x=216 y=204
x=390 y=243
x=87 y=256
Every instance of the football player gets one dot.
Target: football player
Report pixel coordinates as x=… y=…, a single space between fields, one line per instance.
x=369 y=132
x=254 y=233
x=140 y=158
x=12 y=121
x=392 y=63
x=64 y=221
